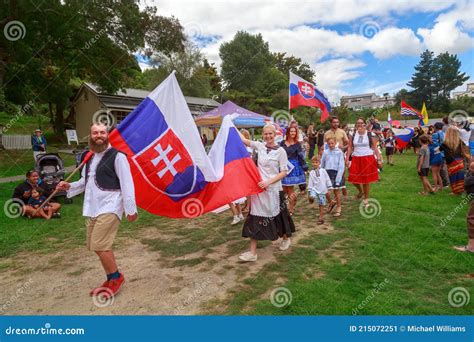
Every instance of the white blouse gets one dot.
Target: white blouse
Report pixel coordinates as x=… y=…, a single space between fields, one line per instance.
x=270 y=163
x=361 y=145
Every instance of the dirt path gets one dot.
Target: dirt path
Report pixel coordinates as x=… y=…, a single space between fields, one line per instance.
x=58 y=284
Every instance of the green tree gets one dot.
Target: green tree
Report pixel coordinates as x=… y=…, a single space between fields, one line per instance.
x=403 y=94
x=246 y=60
x=211 y=70
x=422 y=80
x=294 y=64
x=465 y=103
x=71 y=39
x=448 y=77
x=192 y=73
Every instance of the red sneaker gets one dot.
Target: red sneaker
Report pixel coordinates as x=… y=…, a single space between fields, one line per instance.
x=113 y=287
x=97 y=290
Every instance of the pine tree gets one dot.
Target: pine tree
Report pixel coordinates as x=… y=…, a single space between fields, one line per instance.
x=447 y=74
x=422 y=80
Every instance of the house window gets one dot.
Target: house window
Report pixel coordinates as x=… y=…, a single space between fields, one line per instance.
x=120 y=115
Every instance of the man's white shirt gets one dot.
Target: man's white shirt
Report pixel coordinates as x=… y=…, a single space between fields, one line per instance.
x=97 y=201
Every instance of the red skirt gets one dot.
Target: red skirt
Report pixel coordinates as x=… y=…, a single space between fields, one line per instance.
x=363 y=170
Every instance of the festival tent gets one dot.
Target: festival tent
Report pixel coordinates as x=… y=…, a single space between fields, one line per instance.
x=246 y=119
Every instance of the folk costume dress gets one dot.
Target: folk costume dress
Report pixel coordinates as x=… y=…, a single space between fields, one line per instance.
x=363 y=169
x=269 y=218
x=295 y=156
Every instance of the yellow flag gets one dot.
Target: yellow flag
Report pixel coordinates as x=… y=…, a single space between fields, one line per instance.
x=424 y=112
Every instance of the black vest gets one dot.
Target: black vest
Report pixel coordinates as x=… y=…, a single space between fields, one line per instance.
x=105 y=176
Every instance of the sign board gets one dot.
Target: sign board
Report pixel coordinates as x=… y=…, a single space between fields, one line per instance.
x=71 y=135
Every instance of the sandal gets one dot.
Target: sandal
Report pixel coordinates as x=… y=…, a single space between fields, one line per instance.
x=337 y=214
x=463 y=249
x=320 y=222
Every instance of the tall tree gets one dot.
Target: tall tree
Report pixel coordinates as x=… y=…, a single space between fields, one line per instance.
x=294 y=64
x=70 y=39
x=447 y=74
x=245 y=61
x=422 y=80
x=192 y=72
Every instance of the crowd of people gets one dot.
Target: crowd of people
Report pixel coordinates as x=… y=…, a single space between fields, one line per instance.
x=342 y=154
x=445 y=149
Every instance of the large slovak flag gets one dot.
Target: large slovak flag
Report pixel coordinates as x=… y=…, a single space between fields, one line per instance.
x=403 y=136
x=304 y=93
x=172 y=173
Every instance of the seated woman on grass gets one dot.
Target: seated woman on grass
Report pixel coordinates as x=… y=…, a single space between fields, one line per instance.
x=22 y=194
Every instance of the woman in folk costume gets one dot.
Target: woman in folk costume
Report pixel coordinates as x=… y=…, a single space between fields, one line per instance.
x=363 y=158
x=269 y=218
x=295 y=156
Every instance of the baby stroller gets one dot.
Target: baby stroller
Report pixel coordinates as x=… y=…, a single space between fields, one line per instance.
x=51 y=170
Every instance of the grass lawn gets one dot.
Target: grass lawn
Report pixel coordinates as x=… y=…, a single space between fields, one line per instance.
x=19 y=123
x=398 y=262
x=17 y=162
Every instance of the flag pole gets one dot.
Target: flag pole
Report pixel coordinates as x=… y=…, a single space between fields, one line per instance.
x=289 y=94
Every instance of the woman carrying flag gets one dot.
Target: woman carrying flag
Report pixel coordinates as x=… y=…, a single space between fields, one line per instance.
x=269 y=218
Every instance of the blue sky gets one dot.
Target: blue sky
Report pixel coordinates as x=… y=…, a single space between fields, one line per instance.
x=354 y=46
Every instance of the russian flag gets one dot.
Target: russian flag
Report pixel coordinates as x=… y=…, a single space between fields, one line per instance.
x=304 y=93
x=403 y=136
x=173 y=175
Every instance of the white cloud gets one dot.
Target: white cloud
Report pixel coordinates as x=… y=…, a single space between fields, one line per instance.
x=301 y=29
x=390 y=88
x=394 y=41
x=446 y=36
x=448 y=33
x=333 y=75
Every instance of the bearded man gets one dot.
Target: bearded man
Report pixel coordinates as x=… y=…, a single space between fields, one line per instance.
x=109 y=193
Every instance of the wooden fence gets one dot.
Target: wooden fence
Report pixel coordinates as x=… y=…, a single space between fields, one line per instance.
x=16 y=142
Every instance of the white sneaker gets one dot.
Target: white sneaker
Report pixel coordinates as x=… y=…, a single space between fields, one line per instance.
x=285 y=244
x=248 y=257
x=235 y=220
x=241 y=217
